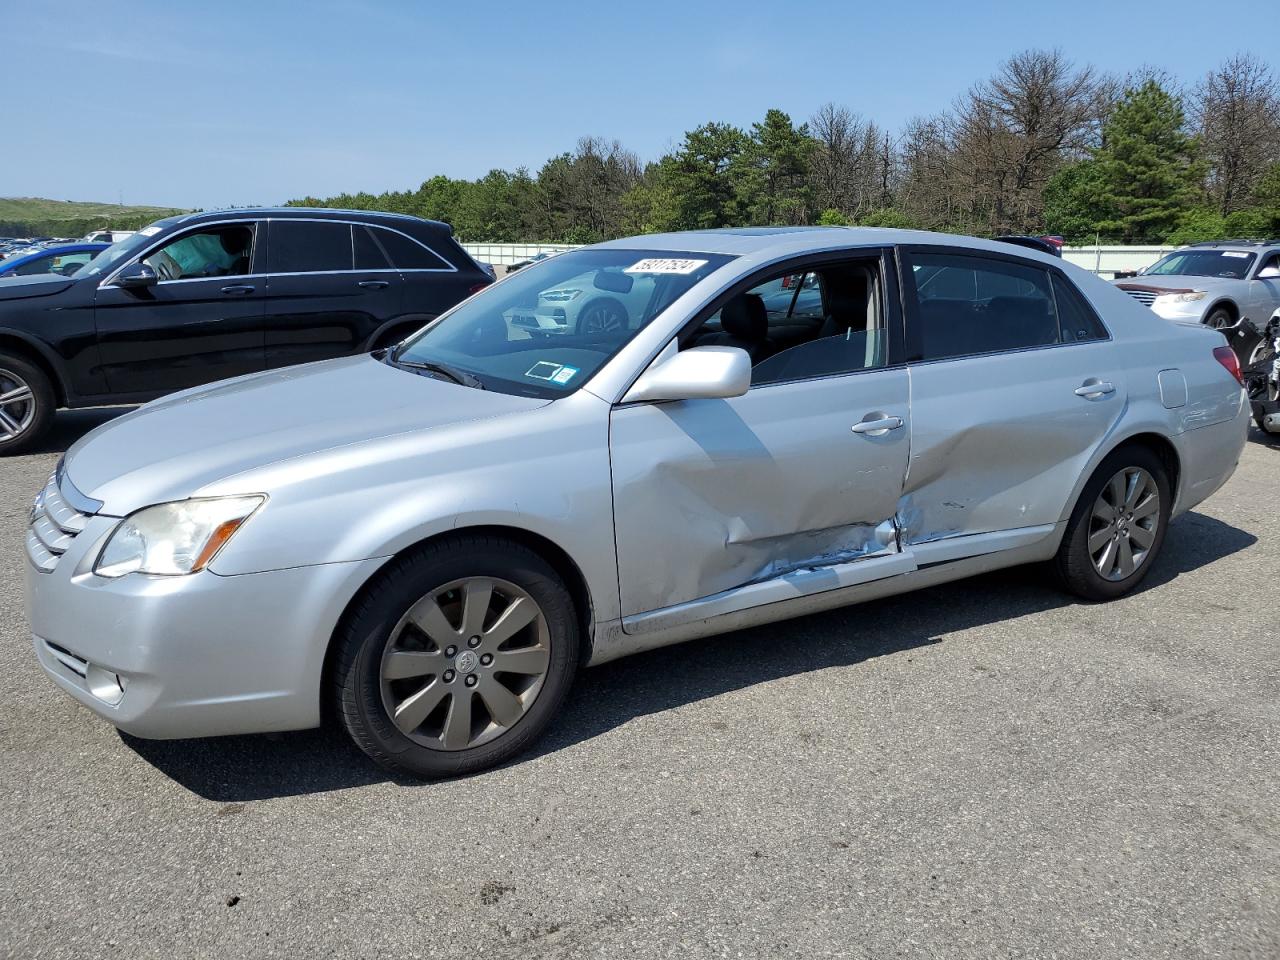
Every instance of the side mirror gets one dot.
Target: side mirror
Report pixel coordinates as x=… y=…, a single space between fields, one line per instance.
x=135 y=276
x=699 y=373
x=1269 y=273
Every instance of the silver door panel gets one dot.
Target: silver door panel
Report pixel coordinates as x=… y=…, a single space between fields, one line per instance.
x=711 y=495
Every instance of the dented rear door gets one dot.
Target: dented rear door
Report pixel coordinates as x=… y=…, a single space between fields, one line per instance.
x=710 y=495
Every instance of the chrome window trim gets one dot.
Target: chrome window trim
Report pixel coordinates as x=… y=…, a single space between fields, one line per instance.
x=448 y=268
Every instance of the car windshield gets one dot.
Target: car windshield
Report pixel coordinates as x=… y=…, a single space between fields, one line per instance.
x=545 y=330
x=1231 y=264
x=119 y=252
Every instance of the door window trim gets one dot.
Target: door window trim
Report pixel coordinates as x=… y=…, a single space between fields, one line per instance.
x=449 y=268
x=178 y=235
x=911 y=305
x=891 y=311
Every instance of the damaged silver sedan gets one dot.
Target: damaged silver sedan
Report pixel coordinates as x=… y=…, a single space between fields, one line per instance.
x=622 y=447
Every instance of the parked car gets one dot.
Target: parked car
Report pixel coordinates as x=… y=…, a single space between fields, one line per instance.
x=1230 y=285
x=1046 y=244
x=64 y=260
x=536 y=258
x=426 y=543
x=107 y=236
x=202 y=297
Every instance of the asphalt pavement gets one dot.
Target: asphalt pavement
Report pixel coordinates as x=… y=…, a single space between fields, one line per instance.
x=986 y=769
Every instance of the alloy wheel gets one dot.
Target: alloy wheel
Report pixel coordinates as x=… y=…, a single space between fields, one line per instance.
x=602 y=318
x=1124 y=523
x=17 y=405
x=465 y=663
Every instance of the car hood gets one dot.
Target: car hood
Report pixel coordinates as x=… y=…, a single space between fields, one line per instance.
x=1174 y=283
x=35 y=285
x=172 y=447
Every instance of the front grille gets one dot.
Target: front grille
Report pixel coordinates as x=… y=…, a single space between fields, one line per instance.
x=54 y=524
x=1144 y=297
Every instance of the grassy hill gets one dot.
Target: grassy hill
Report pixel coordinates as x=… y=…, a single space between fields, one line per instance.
x=23 y=216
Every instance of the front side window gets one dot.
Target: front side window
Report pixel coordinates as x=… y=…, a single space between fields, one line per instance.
x=545 y=330
x=221 y=251
x=1229 y=264
x=971 y=305
x=798 y=326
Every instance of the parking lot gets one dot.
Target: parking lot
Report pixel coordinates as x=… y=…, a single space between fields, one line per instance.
x=984 y=769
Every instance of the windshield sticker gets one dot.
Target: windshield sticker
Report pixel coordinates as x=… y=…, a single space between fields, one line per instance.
x=149 y=231
x=564 y=375
x=1232 y=253
x=665 y=265
x=546 y=370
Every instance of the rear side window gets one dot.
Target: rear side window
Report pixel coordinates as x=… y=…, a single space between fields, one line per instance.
x=407 y=254
x=369 y=255
x=972 y=305
x=1076 y=318
x=306 y=246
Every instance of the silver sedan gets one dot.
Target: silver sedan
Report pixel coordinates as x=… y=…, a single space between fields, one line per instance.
x=426 y=543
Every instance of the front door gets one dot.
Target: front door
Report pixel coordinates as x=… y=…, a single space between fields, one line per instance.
x=1014 y=384
x=803 y=472
x=203 y=320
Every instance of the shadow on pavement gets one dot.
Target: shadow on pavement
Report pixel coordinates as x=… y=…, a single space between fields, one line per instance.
x=237 y=769
x=70 y=425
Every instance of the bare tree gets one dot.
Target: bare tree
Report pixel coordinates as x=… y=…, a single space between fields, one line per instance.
x=852 y=166
x=1236 y=110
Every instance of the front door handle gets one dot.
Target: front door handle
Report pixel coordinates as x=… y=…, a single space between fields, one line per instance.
x=1093 y=388
x=877 y=424
x=239 y=288
x=373 y=284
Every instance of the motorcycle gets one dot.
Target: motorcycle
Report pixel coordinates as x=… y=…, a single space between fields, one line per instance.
x=1260 y=368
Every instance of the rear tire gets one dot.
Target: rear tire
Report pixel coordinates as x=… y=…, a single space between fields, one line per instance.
x=432 y=677
x=1116 y=530
x=27 y=404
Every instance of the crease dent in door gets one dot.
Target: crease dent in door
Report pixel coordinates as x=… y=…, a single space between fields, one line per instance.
x=755 y=529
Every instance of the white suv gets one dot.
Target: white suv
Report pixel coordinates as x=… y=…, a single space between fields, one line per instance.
x=1218 y=284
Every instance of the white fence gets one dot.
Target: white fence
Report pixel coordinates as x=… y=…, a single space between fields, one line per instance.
x=1104 y=260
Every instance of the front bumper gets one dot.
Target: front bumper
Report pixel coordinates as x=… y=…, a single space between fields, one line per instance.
x=195 y=656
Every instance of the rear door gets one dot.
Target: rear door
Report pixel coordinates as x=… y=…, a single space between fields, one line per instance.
x=330 y=290
x=1014 y=384
x=201 y=322
x=433 y=283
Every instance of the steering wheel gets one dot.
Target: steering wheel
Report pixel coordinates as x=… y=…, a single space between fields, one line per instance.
x=163 y=269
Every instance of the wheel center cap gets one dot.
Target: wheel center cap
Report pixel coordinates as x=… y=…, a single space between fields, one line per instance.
x=466 y=662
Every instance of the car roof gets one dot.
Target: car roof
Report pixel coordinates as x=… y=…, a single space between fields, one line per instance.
x=783 y=241
x=306 y=213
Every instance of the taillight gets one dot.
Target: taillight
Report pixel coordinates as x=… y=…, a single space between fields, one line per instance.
x=477 y=288
x=1227 y=357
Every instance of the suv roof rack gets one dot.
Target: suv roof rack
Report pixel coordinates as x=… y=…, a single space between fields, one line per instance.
x=1241 y=242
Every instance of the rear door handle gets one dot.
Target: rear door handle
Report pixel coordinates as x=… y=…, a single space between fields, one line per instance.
x=877 y=424
x=1093 y=387
x=240 y=288
x=373 y=284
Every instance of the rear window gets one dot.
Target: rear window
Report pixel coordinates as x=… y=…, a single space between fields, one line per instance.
x=408 y=254
x=306 y=246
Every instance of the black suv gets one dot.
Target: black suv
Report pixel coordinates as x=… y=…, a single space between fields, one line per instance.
x=201 y=297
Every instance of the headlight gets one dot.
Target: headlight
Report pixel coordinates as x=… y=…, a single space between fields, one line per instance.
x=1191 y=297
x=561 y=296
x=171 y=539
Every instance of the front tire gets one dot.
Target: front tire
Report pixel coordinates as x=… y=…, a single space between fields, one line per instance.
x=1117 y=527
x=27 y=403
x=456 y=658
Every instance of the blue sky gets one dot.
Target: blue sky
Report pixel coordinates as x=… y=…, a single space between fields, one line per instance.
x=236 y=103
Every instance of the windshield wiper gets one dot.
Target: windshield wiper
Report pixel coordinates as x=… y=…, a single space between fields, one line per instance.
x=460 y=377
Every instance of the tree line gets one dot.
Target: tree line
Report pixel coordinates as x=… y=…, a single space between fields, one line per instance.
x=1042 y=146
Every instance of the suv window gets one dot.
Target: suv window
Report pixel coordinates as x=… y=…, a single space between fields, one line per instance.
x=407 y=254
x=222 y=251
x=369 y=255
x=798 y=326
x=308 y=246
x=970 y=305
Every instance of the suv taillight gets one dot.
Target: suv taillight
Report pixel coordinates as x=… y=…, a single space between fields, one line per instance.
x=1227 y=357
